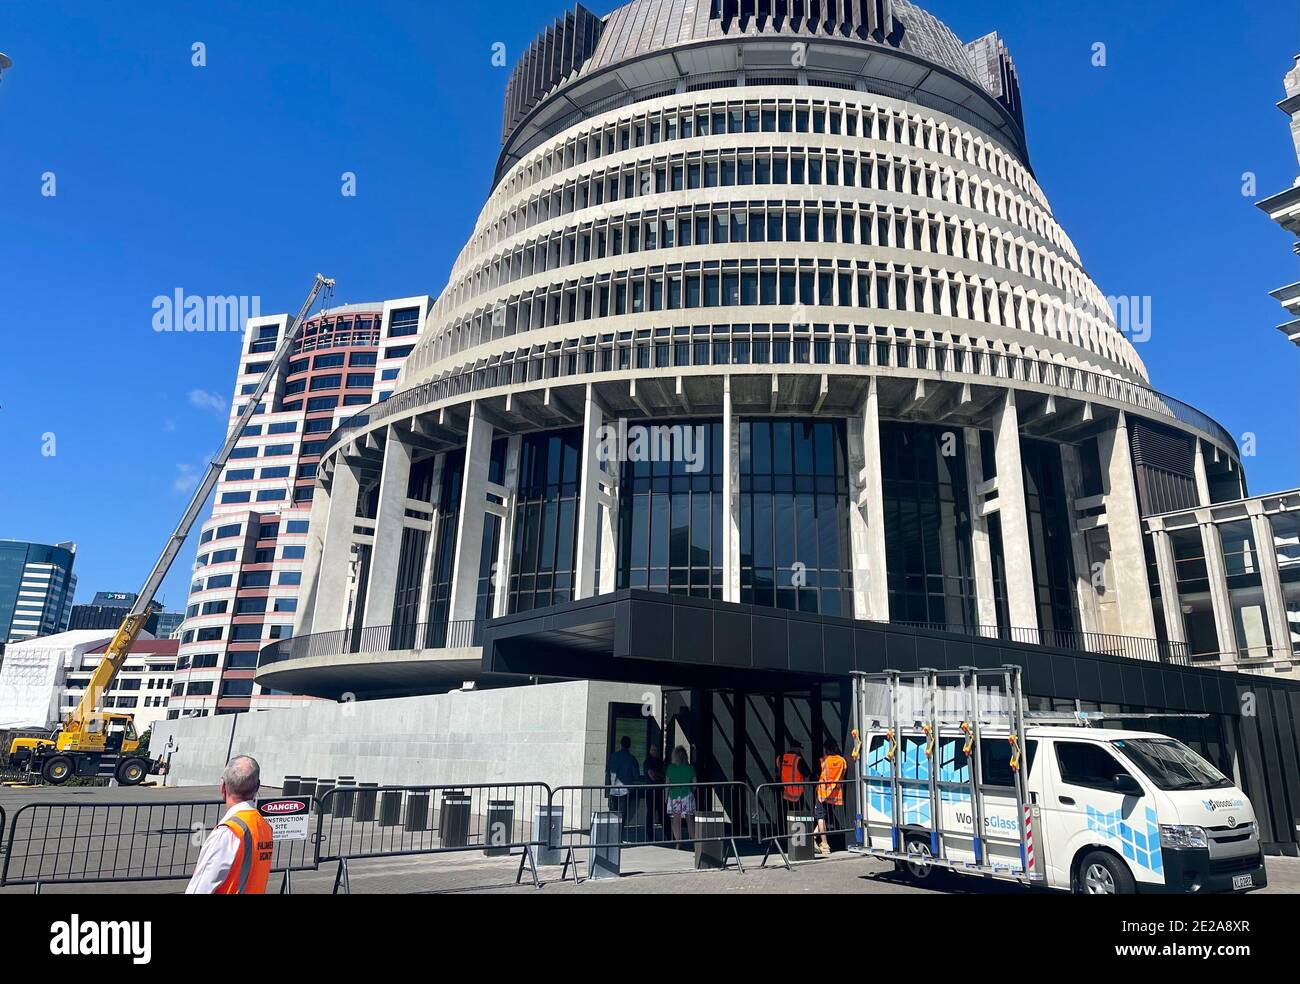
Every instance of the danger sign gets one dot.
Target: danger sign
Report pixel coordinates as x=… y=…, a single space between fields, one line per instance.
x=289 y=818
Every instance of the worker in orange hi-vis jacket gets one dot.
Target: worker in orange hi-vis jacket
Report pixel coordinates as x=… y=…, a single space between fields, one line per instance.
x=236 y=857
x=830 y=793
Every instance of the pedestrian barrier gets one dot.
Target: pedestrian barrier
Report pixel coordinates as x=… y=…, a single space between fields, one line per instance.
x=604 y=821
x=84 y=843
x=495 y=819
x=785 y=818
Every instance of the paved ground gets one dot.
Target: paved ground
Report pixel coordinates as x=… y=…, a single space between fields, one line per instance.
x=156 y=837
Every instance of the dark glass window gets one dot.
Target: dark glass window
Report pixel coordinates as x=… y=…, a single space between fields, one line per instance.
x=1049 y=536
x=670 y=519
x=794 y=529
x=444 y=547
x=927 y=525
x=546 y=521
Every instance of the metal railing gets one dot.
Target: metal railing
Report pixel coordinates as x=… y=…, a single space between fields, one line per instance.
x=370 y=821
x=1103 y=643
x=86 y=843
x=374 y=639
x=786 y=817
x=601 y=821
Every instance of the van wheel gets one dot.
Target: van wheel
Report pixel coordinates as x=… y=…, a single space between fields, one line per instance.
x=919 y=866
x=57 y=770
x=1101 y=873
x=130 y=773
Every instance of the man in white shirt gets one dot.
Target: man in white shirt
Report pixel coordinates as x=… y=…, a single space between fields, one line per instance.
x=236 y=857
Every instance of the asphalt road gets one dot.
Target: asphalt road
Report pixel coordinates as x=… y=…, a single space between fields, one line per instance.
x=163 y=837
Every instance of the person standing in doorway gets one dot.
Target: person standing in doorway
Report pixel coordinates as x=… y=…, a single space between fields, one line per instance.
x=795 y=777
x=681 y=792
x=236 y=857
x=654 y=791
x=830 y=794
x=622 y=772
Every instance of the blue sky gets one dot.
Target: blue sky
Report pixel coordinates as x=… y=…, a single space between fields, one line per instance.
x=225 y=179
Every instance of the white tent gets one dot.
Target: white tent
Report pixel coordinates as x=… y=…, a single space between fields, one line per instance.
x=33 y=674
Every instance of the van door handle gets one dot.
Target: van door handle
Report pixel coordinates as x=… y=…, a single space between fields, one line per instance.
x=1067 y=800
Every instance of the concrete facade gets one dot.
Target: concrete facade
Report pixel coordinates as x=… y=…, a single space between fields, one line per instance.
x=552 y=733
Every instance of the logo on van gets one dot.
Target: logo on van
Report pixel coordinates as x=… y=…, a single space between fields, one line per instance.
x=1213 y=804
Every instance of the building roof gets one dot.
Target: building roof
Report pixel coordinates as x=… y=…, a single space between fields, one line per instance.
x=146 y=647
x=581 y=44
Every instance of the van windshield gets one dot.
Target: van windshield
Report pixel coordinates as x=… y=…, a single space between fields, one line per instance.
x=1172 y=765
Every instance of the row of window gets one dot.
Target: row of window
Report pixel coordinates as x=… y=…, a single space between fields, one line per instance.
x=756 y=221
x=250 y=579
x=807 y=283
x=203 y=688
x=332 y=360
x=265 y=531
x=716 y=169
x=714 y=118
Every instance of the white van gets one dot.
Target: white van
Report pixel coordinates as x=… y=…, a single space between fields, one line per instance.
x=1076 y=808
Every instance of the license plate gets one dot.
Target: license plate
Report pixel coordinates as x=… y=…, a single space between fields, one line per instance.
x=1243 y=881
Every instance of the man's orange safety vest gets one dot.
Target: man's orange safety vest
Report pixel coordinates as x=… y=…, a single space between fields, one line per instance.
x=790 y=774
x=251 y=869
x=831 y=789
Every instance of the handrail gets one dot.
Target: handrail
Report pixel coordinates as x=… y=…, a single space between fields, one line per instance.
x=455 y=634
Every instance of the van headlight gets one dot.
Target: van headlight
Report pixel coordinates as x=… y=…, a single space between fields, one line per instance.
x=1182 y=835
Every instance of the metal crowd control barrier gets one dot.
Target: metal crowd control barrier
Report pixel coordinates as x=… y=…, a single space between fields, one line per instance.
x=84 y=843
x=785 y=817
x=497 y=819
x=606 y=820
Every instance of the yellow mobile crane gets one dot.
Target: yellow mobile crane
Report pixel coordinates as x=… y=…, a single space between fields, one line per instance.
x=92 y=742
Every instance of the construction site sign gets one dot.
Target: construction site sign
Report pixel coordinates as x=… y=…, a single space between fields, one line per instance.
x=289 y=817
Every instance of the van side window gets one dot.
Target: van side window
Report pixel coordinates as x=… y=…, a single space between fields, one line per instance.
x=1086 y=764
x=995 y=761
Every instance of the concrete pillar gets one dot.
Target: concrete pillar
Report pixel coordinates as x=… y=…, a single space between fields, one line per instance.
x=1089 y=603
x=1022 y=602
x=986 y=606
x=320 y=508
x=431 y=554
x=730 y=497
x=1279 y=626
x=330 y=611
x=595 y=506
x=390 y=520
x=1124 y=523
x=1220 y=600
x=501 y=576
x=1167 y=572
x=1202 y=476
x=867 y=515
x=473 y=509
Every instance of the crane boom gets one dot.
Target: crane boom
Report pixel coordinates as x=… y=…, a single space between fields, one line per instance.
x=124 y=638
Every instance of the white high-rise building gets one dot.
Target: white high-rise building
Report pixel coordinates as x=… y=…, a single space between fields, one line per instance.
x=244 y=592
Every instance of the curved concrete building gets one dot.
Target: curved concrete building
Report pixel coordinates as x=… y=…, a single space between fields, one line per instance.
x=766 y=309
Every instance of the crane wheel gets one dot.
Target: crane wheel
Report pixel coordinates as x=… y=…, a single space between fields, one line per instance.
x=130 y=773
x=58 y=770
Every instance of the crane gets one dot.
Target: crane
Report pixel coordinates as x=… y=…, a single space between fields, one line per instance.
x=91 y=739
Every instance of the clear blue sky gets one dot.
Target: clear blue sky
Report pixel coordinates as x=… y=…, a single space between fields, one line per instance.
x=225 y=180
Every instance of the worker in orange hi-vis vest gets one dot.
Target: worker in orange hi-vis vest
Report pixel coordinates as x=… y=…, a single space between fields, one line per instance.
x=236 y=857
x=794 y=773
x=830 y=793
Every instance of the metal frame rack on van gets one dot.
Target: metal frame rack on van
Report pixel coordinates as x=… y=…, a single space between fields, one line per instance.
x=958 y=705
